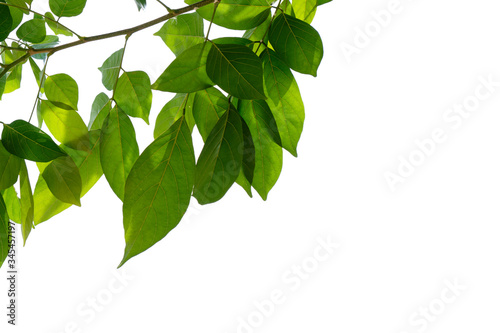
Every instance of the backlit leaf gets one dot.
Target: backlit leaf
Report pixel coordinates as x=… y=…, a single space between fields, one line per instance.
x=133 y=94
x=13 y=204
x=64 y=180
x=182 y=32
x=62 y=91
x=119 y=149
x=158 y=189
x=57 y=28
x=187 y=73
x=100 y=110
x=66 y=125
x=284 y=100
x=174 y=109
x=4 y=231
x=27 y=205
x=208 y=106
x=111 y=68
x=305 y=9
x=236 y=14
x=268 y=154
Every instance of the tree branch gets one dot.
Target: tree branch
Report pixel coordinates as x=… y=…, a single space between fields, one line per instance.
x=129 y=32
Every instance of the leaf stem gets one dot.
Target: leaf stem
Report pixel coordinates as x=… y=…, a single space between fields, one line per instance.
x=216 y=4
x=42 y=81
x=119 y=68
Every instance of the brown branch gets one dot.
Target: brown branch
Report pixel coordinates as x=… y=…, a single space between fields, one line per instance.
x=126 y=32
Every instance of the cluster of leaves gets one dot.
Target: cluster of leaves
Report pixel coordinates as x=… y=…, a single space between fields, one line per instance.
x=240 y=94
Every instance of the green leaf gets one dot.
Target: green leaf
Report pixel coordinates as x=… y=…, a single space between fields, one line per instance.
x=322 y=2
x=63 y=179
x=182 y=32
x=220 y=160
x=208 y=106
x=27 y=204
x=57 y=28
x=62 y=91
x=36 y=72
x=248 y=157
x=158 y=189
x=12 y=203
x=187 y=73
x=172 y=111
x=3 y=80
x=17 y=17
x=297 y=43
x=29 y=142
x=32 y=31
x=4 y=231
x=119 y=149
x=66 y=125
x=133 y=94
x=268 y=154
x=237 y=70
x=9 y=168
x=244 y=183
x=141 y=4
x=13 y=81
x=100 y=110
x=305 y=9
x=236 y=14
x=111 y=68
x=284 y=100
x=67 y=8
x=5 y=22
x=89 y=166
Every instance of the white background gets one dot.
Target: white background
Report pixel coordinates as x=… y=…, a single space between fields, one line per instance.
x=397 y=248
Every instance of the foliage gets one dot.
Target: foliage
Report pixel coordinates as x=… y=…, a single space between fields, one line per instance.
x=240 y=94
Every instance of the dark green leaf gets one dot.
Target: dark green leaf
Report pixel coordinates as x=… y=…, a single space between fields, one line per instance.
x=236 y=14
x=182 y=32
x=4 y=231
x=3 y=80
x=119 y=149
x=158 y=189
x=100 y=110
x=187 y=73
x=62 y=91
x=237 y=70
x=268 y=155
x=57 y=28
x=29 y=142
x=175 y=108
x=13 y=204
x=322 y=2
x=133 y=94
x=141 y=4
x=6 y=23
x=248 y=157
x=297 y=43
x=284 y=100
x=66 y=125
x=9 y=168
x=89 y=166
x=220 y=160
x=32 y=31
x=111 y=68
x=27 y=205
x=63 y=179
x=67 y=7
